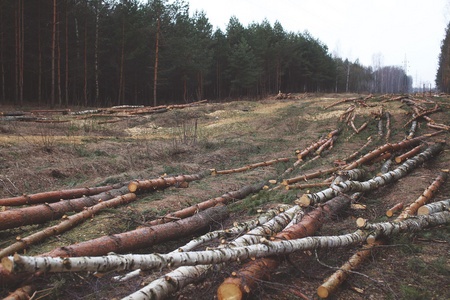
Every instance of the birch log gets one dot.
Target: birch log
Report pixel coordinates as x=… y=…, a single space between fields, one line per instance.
x=68 y=223
x=434 y=207
x=18 y=263
x=355 y=186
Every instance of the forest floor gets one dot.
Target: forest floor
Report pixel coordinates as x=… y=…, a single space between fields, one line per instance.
x=38 y=157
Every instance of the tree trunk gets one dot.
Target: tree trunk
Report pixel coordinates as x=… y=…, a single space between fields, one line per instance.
x=43 y=213
x=2 y=61
x=155 y=78
x=39 y=96
x=52 y=93
x=58 y=48
x=246 y=278
x=85 y=55
x=56 y=195
x=434 y=207
x=66 y=102
x=65 y=225
x=408 y=154
x=249 y=167
x=356 y=186
x=163 y=182
x=144 y=237
x=96 y=73
x=122 y=62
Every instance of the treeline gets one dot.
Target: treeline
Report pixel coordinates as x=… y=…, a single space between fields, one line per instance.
x=107 y=52
x=443 y=72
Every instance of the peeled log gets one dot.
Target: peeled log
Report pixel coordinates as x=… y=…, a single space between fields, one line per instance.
x=57 y=195
x=163 y=182
x=434 y=207
x=425 y=197
x=70 y=222
x=143 y=237
x=253 y=166
x=408 y=154
x=46 y=212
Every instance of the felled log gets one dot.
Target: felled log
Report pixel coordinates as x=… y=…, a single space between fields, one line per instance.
x=50 y=111
x=408 y=154
x=224 y=199
x=143 y=237
x=249 y=167
x=411 y=209
x=57 y=195
x=163 y=182
x=355 y=154
x=343 y=101
x=388 y=126
x=421 y=115
x=66 y=224
x=434 y=207
x=45 y=212
x=356 y=186
x=246 y=278
x=305 y=177
x=412 y=130
x=438 y=126
x=390 y=212
x=305 y=186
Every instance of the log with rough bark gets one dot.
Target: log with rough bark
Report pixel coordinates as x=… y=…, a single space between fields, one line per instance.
x=411 y=209
x=386 y=166
x=246 y=278
x=412 y=130
x=356 y=186
x=163 y=182
x=57 y=195
x=66 y=224
x=49 y=211
x=144 y=237
x=434 y=207
x=388 y=126
x=249 y=167
x=224 y=199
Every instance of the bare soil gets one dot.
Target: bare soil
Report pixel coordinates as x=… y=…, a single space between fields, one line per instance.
x=37 y=157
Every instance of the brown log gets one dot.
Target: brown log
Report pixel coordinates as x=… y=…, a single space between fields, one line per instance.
x=335 y=280
x=408 y=154
x=309 y=176
x=57 y=195
x=164 y=182
x=246 y=278
x=421 y=115
x=328 y=143
x=390 y=212
x=110 y=121
x=302 y=154
x=425 y=198
x=22 y=293
x=45 y=212
x=144 y=237
x=224 y=199
x=343 y=101
x=438 y=126
x=68 y=223
x=249 y=167
x=355 y=154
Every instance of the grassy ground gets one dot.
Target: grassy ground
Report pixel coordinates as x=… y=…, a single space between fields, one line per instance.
x=43 y=157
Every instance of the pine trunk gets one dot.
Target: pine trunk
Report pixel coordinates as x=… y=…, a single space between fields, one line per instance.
x=65 y=225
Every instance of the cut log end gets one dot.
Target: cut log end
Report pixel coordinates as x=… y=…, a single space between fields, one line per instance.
x=389 y=213
x=133 y=186
x=322 y=292
x=423 y=211
x=229 y=291
x=360 y=222
x=304 y=200
x=7 y=264
x=398 y=160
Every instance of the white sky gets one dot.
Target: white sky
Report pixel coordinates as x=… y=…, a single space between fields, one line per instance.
x=354 y=29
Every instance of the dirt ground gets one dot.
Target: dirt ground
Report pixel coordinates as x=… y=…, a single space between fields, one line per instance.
x=38 y=157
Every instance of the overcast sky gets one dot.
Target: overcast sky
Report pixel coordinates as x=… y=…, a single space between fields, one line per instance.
x=354 y=29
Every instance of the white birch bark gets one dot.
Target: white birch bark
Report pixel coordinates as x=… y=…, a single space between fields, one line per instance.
x=435 y=207
x=218 y=255
x=356 y=186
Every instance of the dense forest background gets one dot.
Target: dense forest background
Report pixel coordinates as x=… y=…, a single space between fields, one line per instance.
x=109 y=52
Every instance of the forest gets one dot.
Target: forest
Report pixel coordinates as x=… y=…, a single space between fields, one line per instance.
x=109 y=52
